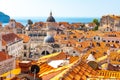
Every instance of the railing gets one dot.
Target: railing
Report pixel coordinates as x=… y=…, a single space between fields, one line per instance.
x=109 y=74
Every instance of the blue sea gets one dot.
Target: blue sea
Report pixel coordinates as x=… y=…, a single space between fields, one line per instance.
x=24 y=20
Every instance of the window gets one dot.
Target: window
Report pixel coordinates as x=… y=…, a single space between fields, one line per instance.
x=74 y=52
x=25 y=47
x=104 y=41
x=112 y=41
x=65 y=38
x=67 y=45
x=110 y=29
x=74 y=37
x=45 y=53
x=70 y=45
x=25 y=54
x=117 y=41
x=98 y=38
x=30 y=55
x=44 y=34
x=39 y=34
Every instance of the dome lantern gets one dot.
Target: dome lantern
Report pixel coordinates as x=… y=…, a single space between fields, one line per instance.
x=50 y=18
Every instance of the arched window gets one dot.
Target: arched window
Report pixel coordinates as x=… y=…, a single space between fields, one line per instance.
x=45 y=53
x=25 y=54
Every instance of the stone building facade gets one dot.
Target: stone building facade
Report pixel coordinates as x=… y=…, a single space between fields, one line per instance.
x=112 y=21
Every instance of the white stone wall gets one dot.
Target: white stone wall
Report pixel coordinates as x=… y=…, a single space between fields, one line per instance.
x=110 y=39
x=71 y=51
x=15 y=49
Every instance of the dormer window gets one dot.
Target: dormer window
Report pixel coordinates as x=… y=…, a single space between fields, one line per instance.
x=65 y=38
x=98 y=44
x=67 y=45
x=74 y=52
x=98 y=38
x=104 y=41
x=113 y=41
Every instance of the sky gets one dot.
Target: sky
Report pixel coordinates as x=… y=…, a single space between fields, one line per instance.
x=60 y=8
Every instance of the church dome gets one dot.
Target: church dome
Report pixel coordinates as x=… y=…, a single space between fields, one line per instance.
x=50 y=18
x=49 y=39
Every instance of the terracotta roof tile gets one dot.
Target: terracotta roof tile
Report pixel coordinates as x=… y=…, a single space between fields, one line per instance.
x=19 y=25
x=25 y=38
x=60 y=56
x=79 y=72
x=50 y=75
x=73 y=58
x=3 y=43
x=10 y=37
x=44 y=67
x=4 y=56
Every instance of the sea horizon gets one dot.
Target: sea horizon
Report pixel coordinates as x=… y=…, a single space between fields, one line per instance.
x=23 y=20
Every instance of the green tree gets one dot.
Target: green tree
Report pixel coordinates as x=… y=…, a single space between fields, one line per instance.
x=96 y=22
x=96 y=28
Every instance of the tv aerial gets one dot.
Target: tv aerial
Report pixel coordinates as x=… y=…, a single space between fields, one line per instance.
x=35 y=69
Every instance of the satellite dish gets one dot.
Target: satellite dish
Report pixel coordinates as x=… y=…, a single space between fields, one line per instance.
x=93 y=64
x=35 y=69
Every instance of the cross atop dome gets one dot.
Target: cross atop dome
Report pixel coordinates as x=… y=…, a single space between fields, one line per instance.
x=50 y=13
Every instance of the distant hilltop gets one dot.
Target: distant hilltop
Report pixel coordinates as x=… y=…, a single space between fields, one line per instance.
x=4 y=18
